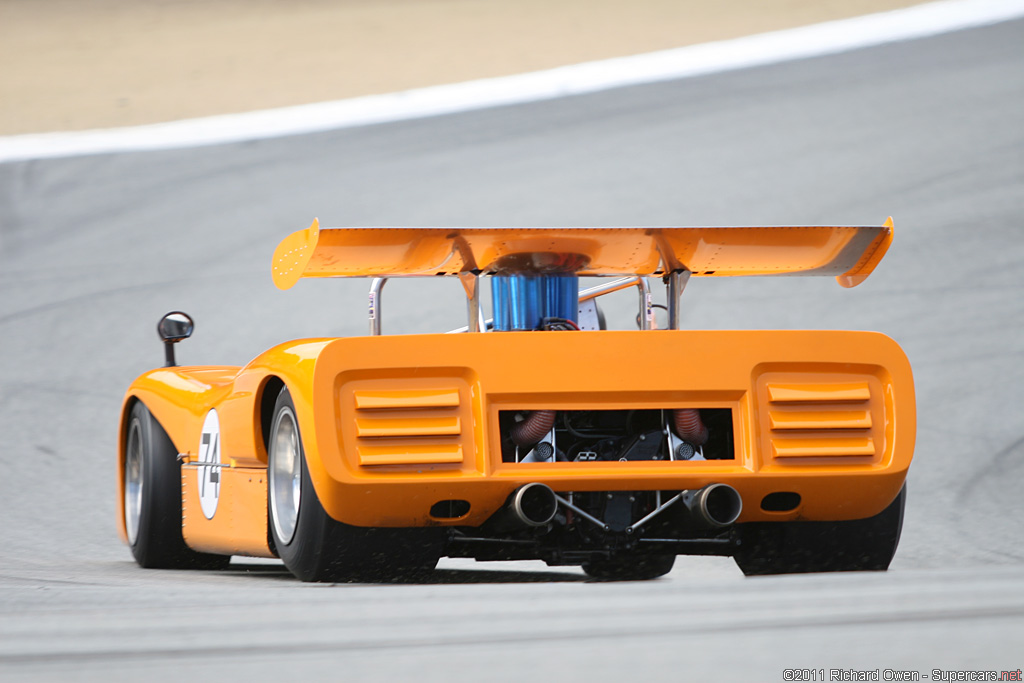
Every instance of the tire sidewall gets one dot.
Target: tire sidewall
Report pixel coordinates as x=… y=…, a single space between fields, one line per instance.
x=138 y=424
x=324 y=549
x=800 y=547
x=159 y=542
x=301 y=554
x=158 y=536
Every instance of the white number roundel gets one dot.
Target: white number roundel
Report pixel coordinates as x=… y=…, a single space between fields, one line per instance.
x=209 y=455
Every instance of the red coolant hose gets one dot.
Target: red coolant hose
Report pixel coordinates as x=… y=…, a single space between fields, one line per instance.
x=689 y=426
x=534 y=427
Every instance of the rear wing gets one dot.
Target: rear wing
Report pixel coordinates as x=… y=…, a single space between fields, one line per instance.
x=849 y=254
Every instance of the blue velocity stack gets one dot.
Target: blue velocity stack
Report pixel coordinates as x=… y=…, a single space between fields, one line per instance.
x=522 y=301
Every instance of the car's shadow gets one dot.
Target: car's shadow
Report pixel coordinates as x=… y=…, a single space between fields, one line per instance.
x=437 y=576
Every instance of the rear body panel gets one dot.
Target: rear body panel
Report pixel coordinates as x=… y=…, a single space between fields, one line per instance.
x=393 y=425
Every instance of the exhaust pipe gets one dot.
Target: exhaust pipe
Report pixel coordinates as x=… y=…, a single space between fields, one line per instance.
x=530 y=506
x=534 y=504
x=716 y=505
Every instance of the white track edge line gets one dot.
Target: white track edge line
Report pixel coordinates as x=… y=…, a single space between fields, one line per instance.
x=832 y=37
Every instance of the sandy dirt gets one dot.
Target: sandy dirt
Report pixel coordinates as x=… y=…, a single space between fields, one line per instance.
x=80 y=64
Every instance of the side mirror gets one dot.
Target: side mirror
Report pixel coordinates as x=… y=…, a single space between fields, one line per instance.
x=172 y=328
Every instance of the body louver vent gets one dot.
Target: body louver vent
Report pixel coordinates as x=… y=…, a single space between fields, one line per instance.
x=408 y=427
x=820 y=420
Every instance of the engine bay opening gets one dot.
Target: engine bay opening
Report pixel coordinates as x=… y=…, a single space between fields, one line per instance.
x=690 y=434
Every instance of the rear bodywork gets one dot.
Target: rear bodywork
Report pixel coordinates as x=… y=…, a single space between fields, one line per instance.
x=407 y=431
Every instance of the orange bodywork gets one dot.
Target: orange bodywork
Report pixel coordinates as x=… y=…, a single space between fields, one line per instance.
x=393 y=425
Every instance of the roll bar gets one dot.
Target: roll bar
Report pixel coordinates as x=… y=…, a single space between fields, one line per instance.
x=675 y=283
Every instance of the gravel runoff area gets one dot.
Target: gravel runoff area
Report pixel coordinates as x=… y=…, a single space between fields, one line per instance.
x=72 y=65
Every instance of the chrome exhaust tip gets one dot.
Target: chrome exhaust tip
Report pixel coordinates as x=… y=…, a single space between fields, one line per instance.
x=530 y=506
x=716 y=505
x=534 y=504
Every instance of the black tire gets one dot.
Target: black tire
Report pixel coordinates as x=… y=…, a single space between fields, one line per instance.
x=155 y=513
x=633 y=567
x=802 y=547
x=322 y=549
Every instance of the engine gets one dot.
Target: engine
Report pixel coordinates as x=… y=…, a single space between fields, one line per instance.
x=616 y=435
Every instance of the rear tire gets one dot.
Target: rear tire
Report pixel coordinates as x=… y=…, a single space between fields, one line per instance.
x=316 y=547
x=802 y=547
x=152 y=501
x=629 y=567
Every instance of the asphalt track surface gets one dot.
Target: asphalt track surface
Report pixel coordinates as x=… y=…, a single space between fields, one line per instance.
x=93 y=250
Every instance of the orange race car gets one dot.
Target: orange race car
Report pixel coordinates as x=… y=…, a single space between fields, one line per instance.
x=370 y=457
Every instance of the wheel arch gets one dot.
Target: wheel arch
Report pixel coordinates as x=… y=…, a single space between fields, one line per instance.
x=269 y=389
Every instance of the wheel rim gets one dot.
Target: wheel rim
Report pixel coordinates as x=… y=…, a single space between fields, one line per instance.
x=285 y=475
x=133 y=482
